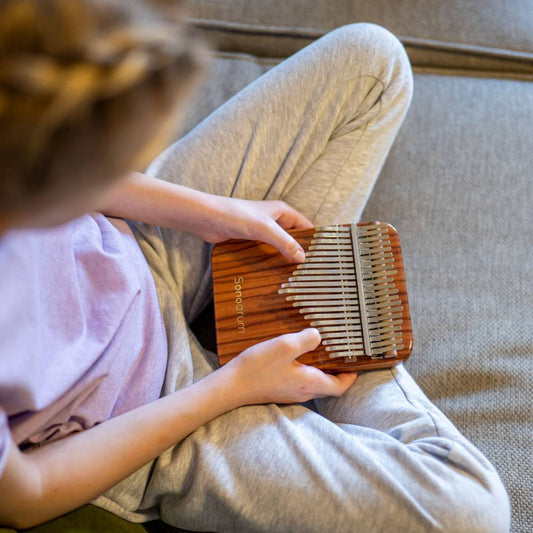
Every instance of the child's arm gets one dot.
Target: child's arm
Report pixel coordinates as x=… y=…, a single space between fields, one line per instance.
x=213 y=218
x=65 y=474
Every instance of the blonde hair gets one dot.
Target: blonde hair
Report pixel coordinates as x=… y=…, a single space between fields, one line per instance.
x=82 y=84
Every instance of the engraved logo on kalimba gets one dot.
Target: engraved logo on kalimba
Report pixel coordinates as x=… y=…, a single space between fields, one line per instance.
x=239 y=306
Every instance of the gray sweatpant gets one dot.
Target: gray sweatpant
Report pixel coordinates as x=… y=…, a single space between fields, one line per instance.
x=313 y=131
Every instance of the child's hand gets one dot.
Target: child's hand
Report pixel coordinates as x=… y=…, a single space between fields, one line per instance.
x=211 y=217
x=268 y=372
x=266 y=221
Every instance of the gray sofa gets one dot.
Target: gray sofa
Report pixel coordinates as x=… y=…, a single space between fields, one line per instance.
x=458 y=185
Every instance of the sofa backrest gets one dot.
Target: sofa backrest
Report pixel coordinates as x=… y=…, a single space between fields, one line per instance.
x=487 y=37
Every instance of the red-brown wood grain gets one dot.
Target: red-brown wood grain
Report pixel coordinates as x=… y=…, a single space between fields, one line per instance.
x=248 y=309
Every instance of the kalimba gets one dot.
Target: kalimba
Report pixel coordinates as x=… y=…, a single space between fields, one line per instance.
x=351 y=287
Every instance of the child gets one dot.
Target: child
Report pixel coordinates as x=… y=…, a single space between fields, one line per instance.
x=105 y=393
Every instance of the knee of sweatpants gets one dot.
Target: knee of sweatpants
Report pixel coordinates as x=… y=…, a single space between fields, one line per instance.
x=370 y=49
x=438 y=486
x=467 y=493
x=487 y=509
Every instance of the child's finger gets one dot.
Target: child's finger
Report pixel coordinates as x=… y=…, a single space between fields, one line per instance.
x=295 y=344
x=288 y=246
x=346 y=380
x=338 y=384
x=290 y=218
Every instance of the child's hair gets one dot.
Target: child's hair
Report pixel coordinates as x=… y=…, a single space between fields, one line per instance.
x=82 y=85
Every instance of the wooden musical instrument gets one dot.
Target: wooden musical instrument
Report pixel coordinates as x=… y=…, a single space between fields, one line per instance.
x=351 y=287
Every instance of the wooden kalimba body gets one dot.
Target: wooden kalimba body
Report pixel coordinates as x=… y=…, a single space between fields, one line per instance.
x=351 y=287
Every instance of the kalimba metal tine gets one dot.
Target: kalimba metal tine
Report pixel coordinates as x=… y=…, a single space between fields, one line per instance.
x=368 y=287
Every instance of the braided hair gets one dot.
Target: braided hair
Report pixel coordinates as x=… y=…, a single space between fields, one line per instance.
x=83 y=84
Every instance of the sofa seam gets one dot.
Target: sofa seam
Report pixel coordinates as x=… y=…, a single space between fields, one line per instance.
x=314 y=33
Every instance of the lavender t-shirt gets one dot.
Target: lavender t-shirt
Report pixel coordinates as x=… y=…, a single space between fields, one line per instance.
x=81 y=334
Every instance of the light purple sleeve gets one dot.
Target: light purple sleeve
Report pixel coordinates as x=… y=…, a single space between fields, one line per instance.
x=5 y=440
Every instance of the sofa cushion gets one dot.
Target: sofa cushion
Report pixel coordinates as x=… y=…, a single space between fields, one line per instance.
x=486 y=35
x=458 y=186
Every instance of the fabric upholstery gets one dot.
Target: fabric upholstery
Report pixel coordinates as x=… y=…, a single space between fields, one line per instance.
x=458 y=186
x=487 y=36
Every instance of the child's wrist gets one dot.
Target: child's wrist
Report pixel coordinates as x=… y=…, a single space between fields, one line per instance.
x=226 y=388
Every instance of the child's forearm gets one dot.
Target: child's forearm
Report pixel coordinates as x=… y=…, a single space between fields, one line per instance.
x=154 y=201
x=212 y=218
x=65 y=474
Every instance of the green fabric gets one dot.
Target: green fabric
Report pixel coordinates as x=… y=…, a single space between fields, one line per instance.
x=89 y=519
